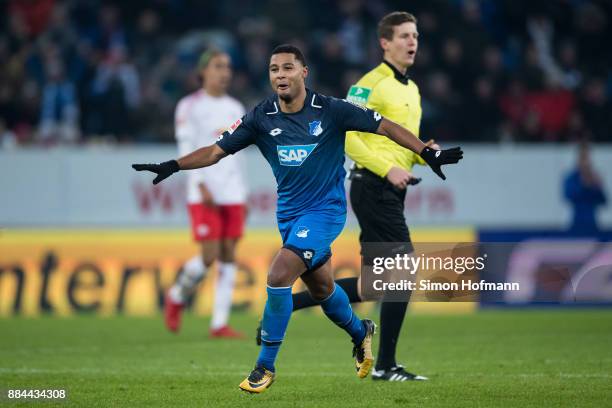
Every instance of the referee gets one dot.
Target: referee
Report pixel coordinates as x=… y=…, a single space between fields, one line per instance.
x=382 y=173
x=382 y=168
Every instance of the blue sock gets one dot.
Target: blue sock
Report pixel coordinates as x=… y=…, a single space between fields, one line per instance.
x=274 y=324
x=339 y=311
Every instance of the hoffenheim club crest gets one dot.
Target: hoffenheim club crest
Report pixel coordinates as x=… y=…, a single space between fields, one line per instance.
x=314 y=128
x=302 y=232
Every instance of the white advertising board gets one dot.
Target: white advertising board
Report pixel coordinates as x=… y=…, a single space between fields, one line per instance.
x=494 y=186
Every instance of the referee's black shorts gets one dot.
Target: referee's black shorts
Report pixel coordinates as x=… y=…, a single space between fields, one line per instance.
x=379 y=208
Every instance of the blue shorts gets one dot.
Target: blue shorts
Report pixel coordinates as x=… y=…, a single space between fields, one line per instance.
x=310 y=235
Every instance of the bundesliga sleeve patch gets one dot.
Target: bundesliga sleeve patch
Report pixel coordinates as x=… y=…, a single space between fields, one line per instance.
x=233 y=128
x=358 y=95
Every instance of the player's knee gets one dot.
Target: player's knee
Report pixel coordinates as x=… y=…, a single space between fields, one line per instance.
x=226 y=256
x=279 y=278
x=227 y=253
x=321 y=290
x=210 y=253
x=209 y=259
x=285 y=269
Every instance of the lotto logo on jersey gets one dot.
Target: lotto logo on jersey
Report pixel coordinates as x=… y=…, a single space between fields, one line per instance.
x=294 y=155
x=234 y=126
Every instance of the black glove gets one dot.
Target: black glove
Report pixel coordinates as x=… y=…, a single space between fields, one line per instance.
x=436 y=158
x=163 y=170
x=414 y=181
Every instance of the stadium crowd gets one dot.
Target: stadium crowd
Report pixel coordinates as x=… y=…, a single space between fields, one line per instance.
x=93 y=71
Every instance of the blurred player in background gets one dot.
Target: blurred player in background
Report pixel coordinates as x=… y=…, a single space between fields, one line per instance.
x=301 y=134
x=584 y=190
x=382 y=173
x=216 y=196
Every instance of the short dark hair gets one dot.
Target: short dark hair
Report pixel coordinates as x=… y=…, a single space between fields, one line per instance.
x=290 y=49
x=386 y=24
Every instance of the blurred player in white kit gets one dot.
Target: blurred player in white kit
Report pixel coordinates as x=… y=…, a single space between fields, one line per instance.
x=216 y=195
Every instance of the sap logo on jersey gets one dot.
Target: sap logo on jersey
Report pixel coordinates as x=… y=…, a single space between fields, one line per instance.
x=294 y=155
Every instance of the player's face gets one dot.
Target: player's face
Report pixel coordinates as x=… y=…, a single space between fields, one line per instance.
x=218 y=73
x=402 y=48
x=287 y=76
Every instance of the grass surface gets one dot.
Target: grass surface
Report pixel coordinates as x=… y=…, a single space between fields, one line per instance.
x=492 y=358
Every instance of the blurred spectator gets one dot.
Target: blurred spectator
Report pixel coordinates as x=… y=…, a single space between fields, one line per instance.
x=570 y=75
x=583 y=189
x=334 y=67
x=257 y=57
x=109 y=33
x=159 y=91
x=429 y=28
x=531 y=73
x=576 y=130
x=147 y=40
x=27 y=108
x=34 y=15
x=493 y=65
x=483 y=116
x=453 y=62
x=60 y=29
x=472 y=31
x=59 y=107
x=566 y=76
x=596 y=107
x=537 y=115
x=354 y=31
x=593 y=34
x=535 y=71
x=116 y=88
x=441 y=117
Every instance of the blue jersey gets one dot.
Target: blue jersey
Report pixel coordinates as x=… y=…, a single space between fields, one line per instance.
x=305 y=149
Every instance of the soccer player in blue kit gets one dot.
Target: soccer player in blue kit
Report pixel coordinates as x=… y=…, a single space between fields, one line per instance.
x=301 y=134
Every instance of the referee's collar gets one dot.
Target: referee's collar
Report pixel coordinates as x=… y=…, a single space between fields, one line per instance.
x=397 y=74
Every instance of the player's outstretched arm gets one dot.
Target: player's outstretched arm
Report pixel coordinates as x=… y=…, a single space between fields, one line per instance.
x=203 y=157
x=400 y=135
x=434 y=158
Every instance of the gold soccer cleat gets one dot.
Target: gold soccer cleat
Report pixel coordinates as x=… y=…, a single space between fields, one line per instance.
x=258 y=381
x=363 y=352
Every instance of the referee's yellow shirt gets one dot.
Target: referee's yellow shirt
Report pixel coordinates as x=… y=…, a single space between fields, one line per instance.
x=393 y=95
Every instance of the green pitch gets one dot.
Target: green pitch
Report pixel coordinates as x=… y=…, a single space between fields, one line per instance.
x=494 y=358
